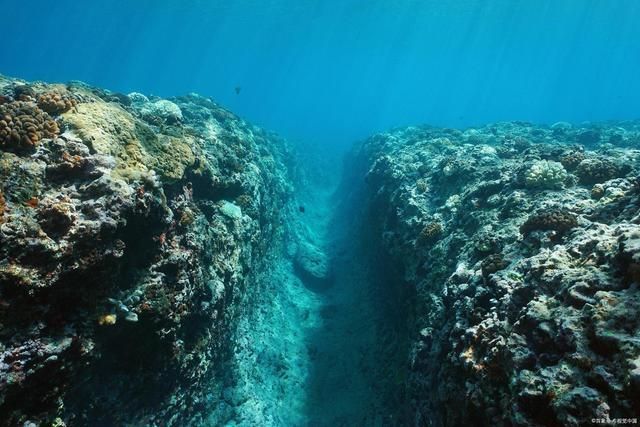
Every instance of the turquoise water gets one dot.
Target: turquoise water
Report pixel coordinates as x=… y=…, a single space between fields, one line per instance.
x=329 y=72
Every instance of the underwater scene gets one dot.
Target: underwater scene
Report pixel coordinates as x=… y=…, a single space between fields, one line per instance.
x=334 y=213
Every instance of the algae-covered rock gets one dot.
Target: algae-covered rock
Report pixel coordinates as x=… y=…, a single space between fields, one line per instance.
x=525 y=276
x=111 y=235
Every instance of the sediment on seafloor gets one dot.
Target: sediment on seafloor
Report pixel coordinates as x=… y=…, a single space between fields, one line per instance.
x=129 y=229
x=522 y=244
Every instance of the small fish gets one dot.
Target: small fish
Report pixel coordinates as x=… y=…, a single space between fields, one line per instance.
x=301 y=208
x=238 y=89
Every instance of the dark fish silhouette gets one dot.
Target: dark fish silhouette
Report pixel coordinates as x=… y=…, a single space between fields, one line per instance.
x=301 y=209
x=238 y=89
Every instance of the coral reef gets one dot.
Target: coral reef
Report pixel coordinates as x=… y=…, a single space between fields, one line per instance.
x=558 y=220
x=135 y=233
x=545 y=174
x=598 y=170
x=23 y=125
x=161 y=111
x=525 y=309
x=123 y=257
x=56 y=103
x=430 y=232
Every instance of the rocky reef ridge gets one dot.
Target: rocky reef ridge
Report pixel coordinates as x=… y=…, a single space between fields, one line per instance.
x=129 y=229
x=522 y=246
x=156 y=270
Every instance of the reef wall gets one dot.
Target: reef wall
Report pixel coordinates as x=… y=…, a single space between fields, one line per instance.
x=479 y=277
x=522 y=244
x=129 y=229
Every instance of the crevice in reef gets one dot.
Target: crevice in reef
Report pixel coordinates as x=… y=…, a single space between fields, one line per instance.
x=362 y=347
x=326 y=341
x=164 y=263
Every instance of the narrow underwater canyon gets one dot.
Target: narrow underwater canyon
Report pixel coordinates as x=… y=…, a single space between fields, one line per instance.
x=165 y=263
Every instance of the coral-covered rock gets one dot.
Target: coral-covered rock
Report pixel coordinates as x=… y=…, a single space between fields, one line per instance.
x=161 y=111
x=430 y=232
x=597 y=170
x=56 y=217
x=121 y=269
x=492 y=264
x=23 y=125
x=572 y=159
x=56 y=103
x=558 y=220
x=525 y=304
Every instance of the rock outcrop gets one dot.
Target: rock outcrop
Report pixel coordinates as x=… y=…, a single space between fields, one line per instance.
x=134 y=231
x=521 y=243
x=129 y=229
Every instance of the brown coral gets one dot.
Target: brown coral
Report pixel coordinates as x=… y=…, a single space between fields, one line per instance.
x=245 y=201
x=572 y=159
x=594 y=171
x=56 y=219
x=24 y=93
x=430 y=232
x=23 y=125
x=56 y=103
x=558 y=220
x=3 y=207
x=32 y=202
x=187 y=217
x=597 y=191
x=422 y=186
x=492 y=264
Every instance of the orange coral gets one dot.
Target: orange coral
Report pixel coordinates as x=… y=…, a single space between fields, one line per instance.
x=32 y=202
x=23 y=125
x=56 y=103
x=74 y=161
